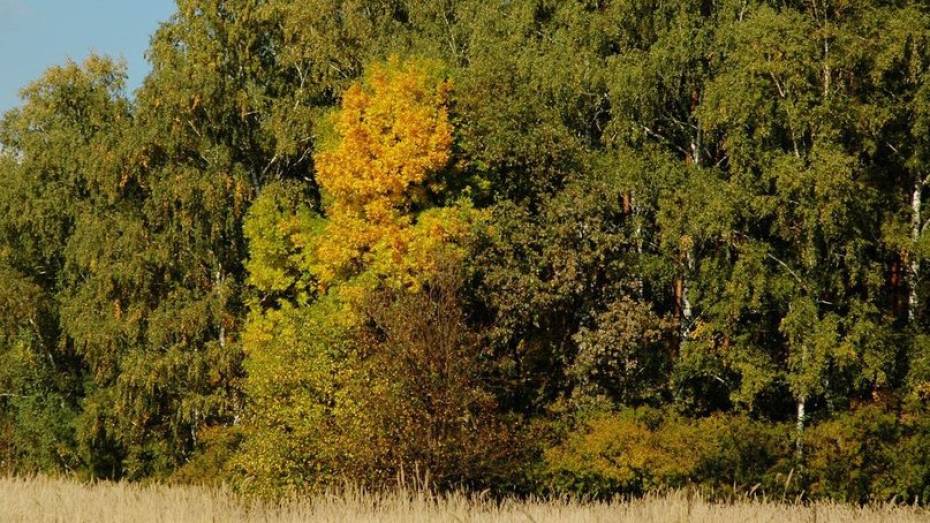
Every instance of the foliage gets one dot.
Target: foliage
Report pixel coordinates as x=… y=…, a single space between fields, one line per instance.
x=865 y=455
x=869 y=454
x=315 y=221
x=423 y=408
x=642 y=450
x=623 y=356
x=327 y=399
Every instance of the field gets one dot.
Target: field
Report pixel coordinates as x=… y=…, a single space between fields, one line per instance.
x=52 y=500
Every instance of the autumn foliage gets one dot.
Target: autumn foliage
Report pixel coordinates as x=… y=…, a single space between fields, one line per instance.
x=533 y=246
x=391 y=141
x=322 y=354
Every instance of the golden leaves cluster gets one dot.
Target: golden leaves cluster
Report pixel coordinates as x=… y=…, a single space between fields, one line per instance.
x=392 y=140
x=381 y=172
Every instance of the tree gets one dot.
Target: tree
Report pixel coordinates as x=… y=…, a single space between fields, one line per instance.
x=806 y=229
x=305 y=338
x=391 y=140
x=230 y=105
x=58 y=169
x=423 y=407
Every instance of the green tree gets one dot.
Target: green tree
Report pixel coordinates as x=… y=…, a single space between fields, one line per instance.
x=58 y=168
x=232 y=102
x=797 y=304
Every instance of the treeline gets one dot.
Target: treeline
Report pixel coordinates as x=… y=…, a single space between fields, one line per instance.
x=588 y=246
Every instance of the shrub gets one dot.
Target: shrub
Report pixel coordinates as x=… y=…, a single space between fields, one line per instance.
x=869 y=454
x=211 y=464
x=639 y=450
x=422 y=405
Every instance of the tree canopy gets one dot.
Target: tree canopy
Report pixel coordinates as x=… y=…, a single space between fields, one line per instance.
x=532 y=246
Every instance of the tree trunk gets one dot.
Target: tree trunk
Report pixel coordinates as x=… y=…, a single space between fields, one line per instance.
x=827 y=72
x=913 y=260
x=895 y=283
x=638 y=240
x=222 y=333
x=799 y=441
x=685 y=302
x=686 y=310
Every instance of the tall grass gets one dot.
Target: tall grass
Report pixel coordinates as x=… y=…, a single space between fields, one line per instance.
x=55 y=500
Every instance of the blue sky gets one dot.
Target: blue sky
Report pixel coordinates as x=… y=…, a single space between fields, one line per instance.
x=35 y=34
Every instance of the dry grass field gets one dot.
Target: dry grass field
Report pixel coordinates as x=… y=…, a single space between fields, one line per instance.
x=52 y=500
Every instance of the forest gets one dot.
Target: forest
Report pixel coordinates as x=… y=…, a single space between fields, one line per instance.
x=533 y=247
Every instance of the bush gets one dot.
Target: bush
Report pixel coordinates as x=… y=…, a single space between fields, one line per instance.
x=848 y=457
x=422 y=404
x=911 y=461
x=640 y=450
x=869 y=454
x=211 y=464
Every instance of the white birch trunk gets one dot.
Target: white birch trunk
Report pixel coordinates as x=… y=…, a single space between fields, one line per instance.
x=222 y=335
x=687 y=312
x=638 y=239
x=913 y=273
x=800 y=430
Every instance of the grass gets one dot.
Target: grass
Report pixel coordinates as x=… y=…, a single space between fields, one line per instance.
x=55 y=500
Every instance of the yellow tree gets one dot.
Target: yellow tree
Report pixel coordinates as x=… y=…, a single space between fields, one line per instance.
x=311 y=379
x=391 y=141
